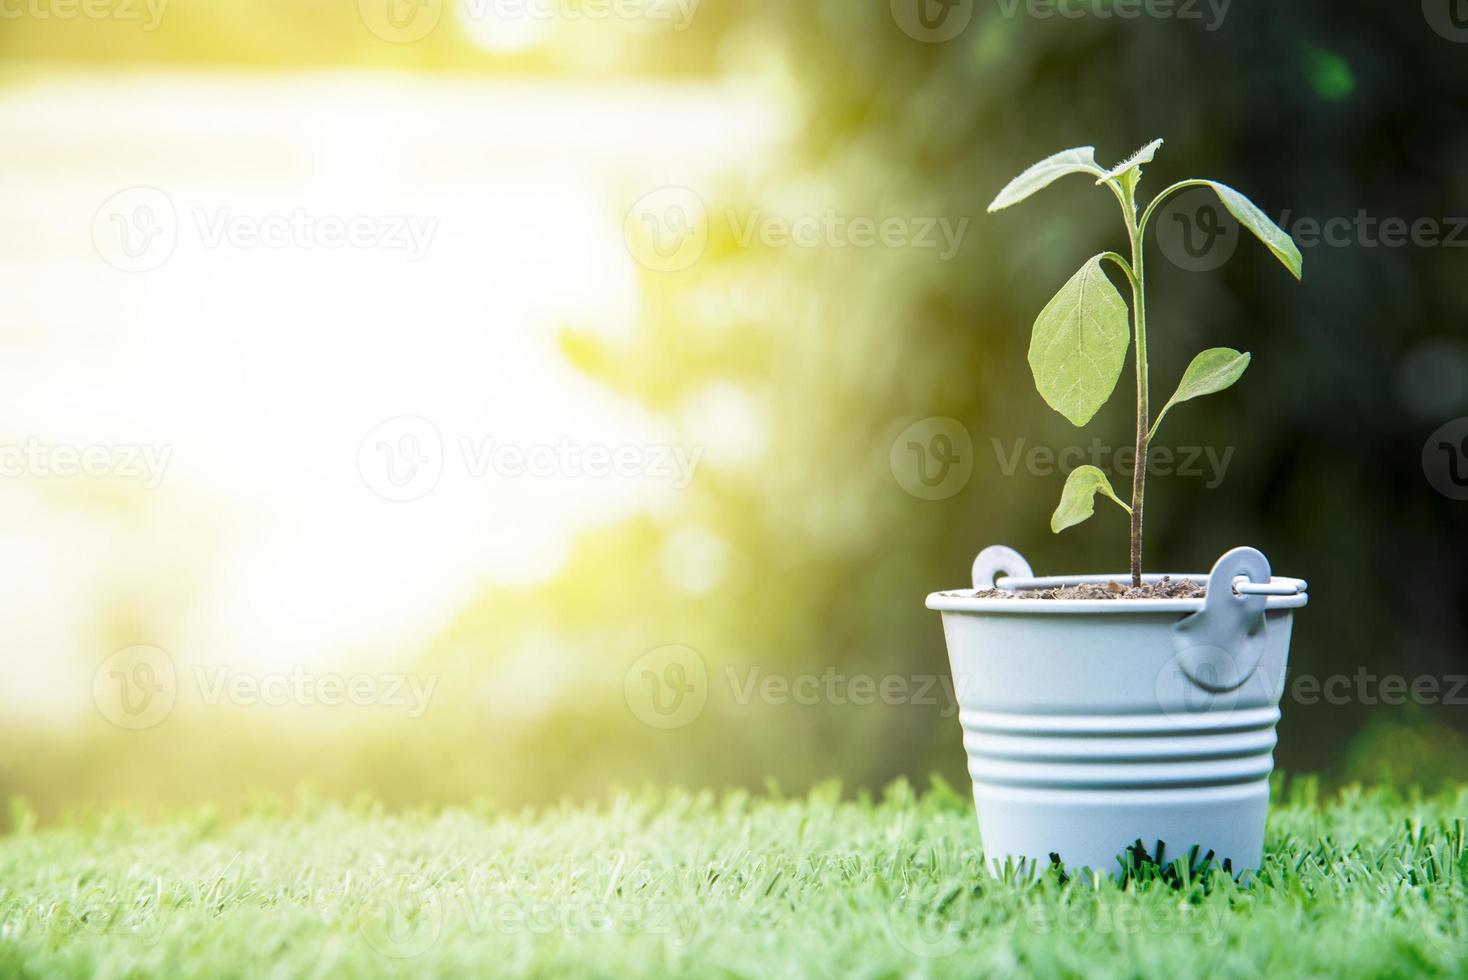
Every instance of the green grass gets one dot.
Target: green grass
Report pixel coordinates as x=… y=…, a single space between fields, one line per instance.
x=1369 y=883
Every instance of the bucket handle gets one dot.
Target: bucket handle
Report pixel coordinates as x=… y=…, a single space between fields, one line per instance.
x=997 y=560
x=1219 y=647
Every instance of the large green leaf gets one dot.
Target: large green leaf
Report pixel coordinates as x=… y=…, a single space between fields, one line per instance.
x=1078 y=499
x=1080 y=343
x=1211 y=371
x=1079 y=160
x=1272 y=235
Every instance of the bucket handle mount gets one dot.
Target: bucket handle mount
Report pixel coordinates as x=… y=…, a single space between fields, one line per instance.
x=1220 y=646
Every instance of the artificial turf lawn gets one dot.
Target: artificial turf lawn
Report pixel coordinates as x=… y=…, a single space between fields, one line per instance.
x=1367 y=883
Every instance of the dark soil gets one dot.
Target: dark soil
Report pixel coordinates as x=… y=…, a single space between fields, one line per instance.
x=1167 y=588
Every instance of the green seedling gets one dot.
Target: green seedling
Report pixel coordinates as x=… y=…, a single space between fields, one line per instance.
x=1081 y=337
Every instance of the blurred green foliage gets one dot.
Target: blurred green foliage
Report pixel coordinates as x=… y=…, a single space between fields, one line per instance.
x=1318 y=108
x=846 y=347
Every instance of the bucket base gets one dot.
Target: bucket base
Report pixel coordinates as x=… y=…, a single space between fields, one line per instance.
x=1091 y=829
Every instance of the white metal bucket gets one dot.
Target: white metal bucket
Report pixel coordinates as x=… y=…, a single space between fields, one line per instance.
x=1092 y=724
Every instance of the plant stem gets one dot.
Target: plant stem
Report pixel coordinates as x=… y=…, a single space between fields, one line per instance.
x=1139 y=324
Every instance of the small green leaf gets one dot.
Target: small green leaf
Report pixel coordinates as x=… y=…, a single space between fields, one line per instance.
x=1079 y=344
x=1078 y=499
x=1144 y=155
x=1079 y=160
x=1211 y=372
x=1275 y=238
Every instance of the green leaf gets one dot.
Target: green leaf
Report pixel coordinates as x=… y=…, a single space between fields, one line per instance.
x=1211 y=372
x=1079 y=160
x=1079 y=344
x=1144 y=155
x=1272 y=235
x=1078 y=499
